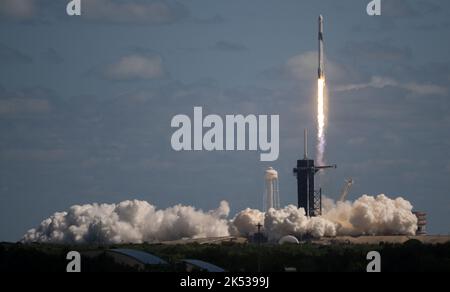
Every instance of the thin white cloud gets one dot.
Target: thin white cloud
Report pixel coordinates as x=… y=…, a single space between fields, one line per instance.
x=37 y=155
x=424 y=89
x=136 y=67
x=148 y=12
x=14 y=106
x=383 y=82
x=18 y=9
x=357 y=141
x=303 y=66
x=10 y=55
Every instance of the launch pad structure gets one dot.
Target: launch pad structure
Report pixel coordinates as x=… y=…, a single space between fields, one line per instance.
x=308 y=197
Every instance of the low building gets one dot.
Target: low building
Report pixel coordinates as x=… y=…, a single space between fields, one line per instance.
x=200 y=266
x=135 y=258
x=421 y=223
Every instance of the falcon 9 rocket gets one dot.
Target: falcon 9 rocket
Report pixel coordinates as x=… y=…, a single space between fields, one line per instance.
x=321 y=70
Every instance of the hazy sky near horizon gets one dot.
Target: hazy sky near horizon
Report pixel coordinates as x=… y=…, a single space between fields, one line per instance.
x=86 y=102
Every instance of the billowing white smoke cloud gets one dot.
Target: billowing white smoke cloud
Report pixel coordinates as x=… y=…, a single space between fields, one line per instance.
x=246 y=221
x=139 y=221
x=366 y=216
x=372 y=215
x=130 y=221
x=293 y=221
x=278 y=223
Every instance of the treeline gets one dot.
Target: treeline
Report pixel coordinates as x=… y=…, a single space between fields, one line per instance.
x=411 y=256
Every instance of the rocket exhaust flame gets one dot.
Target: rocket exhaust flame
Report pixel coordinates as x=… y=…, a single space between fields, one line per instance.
x=321 y=121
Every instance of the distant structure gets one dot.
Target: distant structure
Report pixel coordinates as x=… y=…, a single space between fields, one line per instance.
x=259 y=236
x=200 y=266
x=421 y=223
x=346 y=189
x=308 y=198
x=290 y=239
x=271 y=194
x=135 y=258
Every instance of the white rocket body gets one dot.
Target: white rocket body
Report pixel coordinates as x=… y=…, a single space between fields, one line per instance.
x=321 y=63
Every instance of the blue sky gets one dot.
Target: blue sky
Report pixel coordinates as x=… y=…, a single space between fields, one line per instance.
x=86 y=102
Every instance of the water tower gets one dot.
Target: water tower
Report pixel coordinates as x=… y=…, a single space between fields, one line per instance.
x=271 y=194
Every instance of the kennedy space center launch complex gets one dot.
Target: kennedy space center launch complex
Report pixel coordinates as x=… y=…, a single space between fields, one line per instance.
x=309 y=196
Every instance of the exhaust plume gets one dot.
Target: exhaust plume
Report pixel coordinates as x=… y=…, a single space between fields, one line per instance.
x=367 y=215
x=139 y=221
x=370 y=215
x=129 y=222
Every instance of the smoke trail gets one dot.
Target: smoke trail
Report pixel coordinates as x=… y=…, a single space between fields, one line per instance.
x=321 y=122
x=138 y=221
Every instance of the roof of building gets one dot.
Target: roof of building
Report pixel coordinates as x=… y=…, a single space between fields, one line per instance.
x=288 y=239
x=204 y=266
x=140 y=256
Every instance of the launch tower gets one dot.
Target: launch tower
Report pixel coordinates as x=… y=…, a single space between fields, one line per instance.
x=308 y=197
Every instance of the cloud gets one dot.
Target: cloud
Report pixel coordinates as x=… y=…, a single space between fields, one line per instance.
x=18 y=9
x=10 y=55
x=26 y=101
x=382 y=164
x=139 y=221
x=145 y=12
x=434 y=26
x=409 y=9
x=376 y=50
x=379 y=82
x=14 y=106
x=155 y=12
x=136 y=66
x=303 y=67
x=357 y=141
x=37 y=155
x=130 y=222
x=424 y=89
x=404 y=14
x=368 y=215
x=229 y=46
